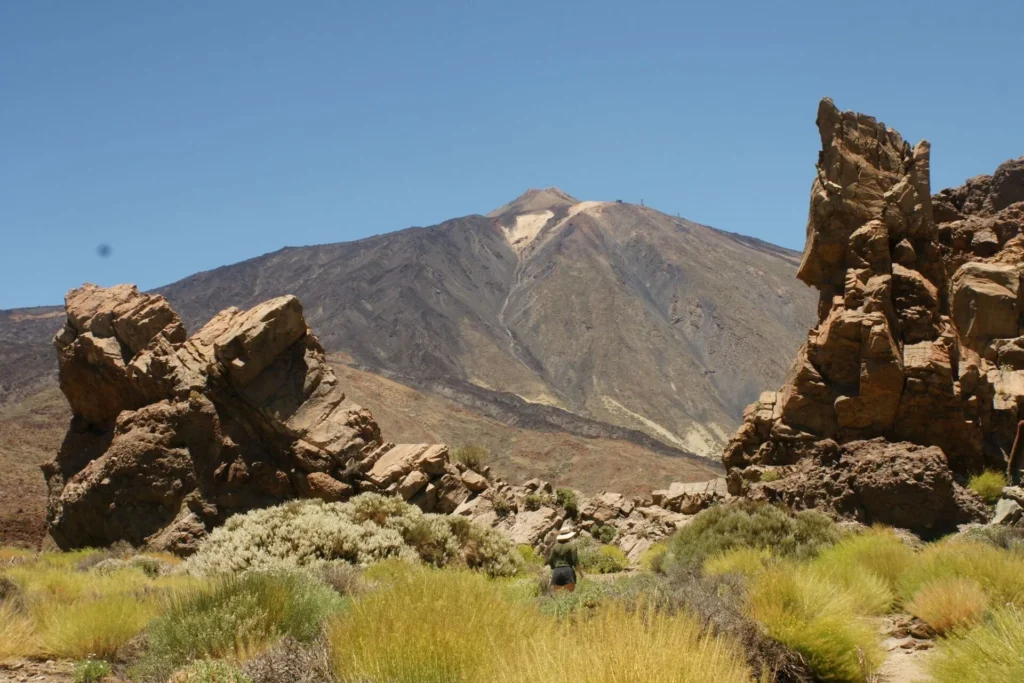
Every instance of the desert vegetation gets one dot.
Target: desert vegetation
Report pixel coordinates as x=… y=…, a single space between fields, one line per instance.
x=372 y=590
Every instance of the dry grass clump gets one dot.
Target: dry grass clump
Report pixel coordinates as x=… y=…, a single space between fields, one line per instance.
x=653 y=559
x=949 y=603
x=989 y=485
x=365 y=530
x=431 y=626
x=471 y=456
x=877 y=550
x=60 y=606
x=90 y=628
x=291 y=661
x=989 y=653
x=617 y=645
x=17 y=634
x=744 y=561
x=818 y=619
x=999 y=573
x=209 y=671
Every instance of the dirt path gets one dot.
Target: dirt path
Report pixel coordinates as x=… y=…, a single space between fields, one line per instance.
x=24 y=671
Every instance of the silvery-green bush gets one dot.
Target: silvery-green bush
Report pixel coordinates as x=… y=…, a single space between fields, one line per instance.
x=367 y=529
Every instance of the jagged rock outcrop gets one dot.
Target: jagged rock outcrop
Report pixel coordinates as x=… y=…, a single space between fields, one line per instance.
x=171 y=435
x=919 y=335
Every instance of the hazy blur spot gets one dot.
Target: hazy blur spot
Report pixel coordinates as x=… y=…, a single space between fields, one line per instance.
x=103 y=250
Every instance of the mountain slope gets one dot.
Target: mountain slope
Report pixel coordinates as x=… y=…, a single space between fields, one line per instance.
x=611 y=311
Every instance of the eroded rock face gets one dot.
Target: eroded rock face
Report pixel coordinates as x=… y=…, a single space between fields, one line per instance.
x=876 y=481
x=171 y=435
x=919 y=334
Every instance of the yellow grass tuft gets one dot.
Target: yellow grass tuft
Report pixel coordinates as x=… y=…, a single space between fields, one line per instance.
x=745 y=561
x=990 y=653
x=989 y=485
x=17 y=635
x=90 y=628
x=878 y=551
x=999 y=573
x=817 y=618
x=949 y=603
x=455 y=626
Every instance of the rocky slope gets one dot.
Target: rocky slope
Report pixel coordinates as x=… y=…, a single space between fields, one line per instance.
x=919 y=335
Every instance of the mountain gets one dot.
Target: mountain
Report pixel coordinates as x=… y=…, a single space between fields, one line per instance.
x=609 y=311
x=550 y=311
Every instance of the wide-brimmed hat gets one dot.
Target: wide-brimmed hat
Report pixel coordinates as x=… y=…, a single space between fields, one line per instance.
x=566 y=532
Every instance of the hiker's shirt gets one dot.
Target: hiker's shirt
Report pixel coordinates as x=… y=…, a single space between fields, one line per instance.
x=563 y=555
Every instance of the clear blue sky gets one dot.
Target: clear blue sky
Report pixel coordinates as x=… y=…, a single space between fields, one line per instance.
x=190 y=135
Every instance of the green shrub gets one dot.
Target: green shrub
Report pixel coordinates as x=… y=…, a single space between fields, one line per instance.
x=604 y=533
x=534 y=501
x=236 y=617
x=367 y=529
x=751 y=525
x=501 y=504
x=769 y=476
x=989 y=653
x=209 y=671
x=602 y=559
x=653 y=558
x=568 y=501
x=470 y=456
x=817 y=619
x=531 y=558
x=90 y=671
x=989 y=485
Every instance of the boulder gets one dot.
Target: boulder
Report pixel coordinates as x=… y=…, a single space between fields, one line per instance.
x=401 y=460
x=473 y=481
x=985 y=301
x=412 y=484
x=324 y=486
x=1008 y=512
x=532 y=526
x=876 y=481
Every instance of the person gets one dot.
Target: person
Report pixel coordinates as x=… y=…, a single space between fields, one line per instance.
x=563 y=560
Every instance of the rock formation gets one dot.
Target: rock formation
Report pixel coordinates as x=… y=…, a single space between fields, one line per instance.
x=171 y=435
x=919 y=334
